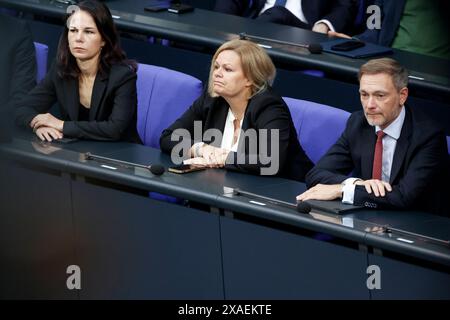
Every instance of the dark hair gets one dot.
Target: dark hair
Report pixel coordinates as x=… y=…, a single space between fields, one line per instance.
x=110 y=54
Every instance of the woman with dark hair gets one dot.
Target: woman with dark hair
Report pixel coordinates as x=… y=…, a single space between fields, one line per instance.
x=92 y=81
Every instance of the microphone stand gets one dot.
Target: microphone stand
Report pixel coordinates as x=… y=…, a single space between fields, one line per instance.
x=245 y=36
x=269 y=200
x=91 y=156
x=314 y=48
x=390 y=230
x=384 y=229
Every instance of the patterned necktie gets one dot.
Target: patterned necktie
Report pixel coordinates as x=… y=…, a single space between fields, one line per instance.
x=280 y=3
x=378 y=156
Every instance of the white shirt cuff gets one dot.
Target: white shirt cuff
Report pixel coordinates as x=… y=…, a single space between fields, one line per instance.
x=348 y=191
x=195 y=147
x=328 y=23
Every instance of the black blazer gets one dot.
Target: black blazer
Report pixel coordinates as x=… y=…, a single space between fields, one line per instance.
x=265 y=110
x=17 y=65
x=341 y=13
x=418 y=168
x=113 y=105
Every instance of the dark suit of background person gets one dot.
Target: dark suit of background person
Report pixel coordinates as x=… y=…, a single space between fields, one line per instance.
x=418 y=167
x=340 y=13
x=112 y=114
x=392 y=13
x=17 y=68
x=265 y=110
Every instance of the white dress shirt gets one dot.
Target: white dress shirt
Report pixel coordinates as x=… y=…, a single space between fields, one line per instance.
x=295 y=6
x=227 y=138
x=392 y=133
x=228 y=133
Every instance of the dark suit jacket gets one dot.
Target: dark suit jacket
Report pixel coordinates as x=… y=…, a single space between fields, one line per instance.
x=391 y=14
x=419 y=164
x=17 y=65
x=265 y=110
x=341 y=13
x=113 y=105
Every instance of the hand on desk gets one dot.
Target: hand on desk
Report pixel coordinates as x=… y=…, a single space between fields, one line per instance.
x=376 y=229
x=209 y=156
x=334 y=191
x=378 y=187
x=338 y=35
x=48 y=134
x=46 y=120
x=198 y=161
x=321 y=28
x=322 y=192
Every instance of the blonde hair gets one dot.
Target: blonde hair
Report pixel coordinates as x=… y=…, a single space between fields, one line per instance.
x=256 y=65
x=398 y=73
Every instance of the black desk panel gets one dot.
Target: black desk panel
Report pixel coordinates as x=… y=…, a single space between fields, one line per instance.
x=411 y=267
x=131 y=246
x=57 y=211
x=36 y=233
x=402 y=280
x=264 y=263
x=418 y=223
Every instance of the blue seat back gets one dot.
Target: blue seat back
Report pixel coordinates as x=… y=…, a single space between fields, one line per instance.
x=448 y=145
x=163 y=95
x=318 y=126
x=41 y=60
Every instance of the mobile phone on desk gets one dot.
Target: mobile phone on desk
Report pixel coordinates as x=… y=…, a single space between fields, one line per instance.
x=64 y=140
x=180 y=8
x=185 y=168
x=348 y=45
x=157 y=8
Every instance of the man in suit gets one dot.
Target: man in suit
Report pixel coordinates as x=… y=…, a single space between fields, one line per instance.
x=316 y=15
x=18 y=68
x=389 y=155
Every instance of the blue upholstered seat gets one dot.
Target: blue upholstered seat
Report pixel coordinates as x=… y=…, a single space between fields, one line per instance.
x=41 y=60
x=163 y=95
x=318 y=126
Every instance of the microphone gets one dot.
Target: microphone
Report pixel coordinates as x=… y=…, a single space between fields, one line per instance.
x=313 y=47
x=156 y=169
x=303 y=207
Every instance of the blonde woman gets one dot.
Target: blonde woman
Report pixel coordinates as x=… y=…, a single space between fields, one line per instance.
x=239 y=100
